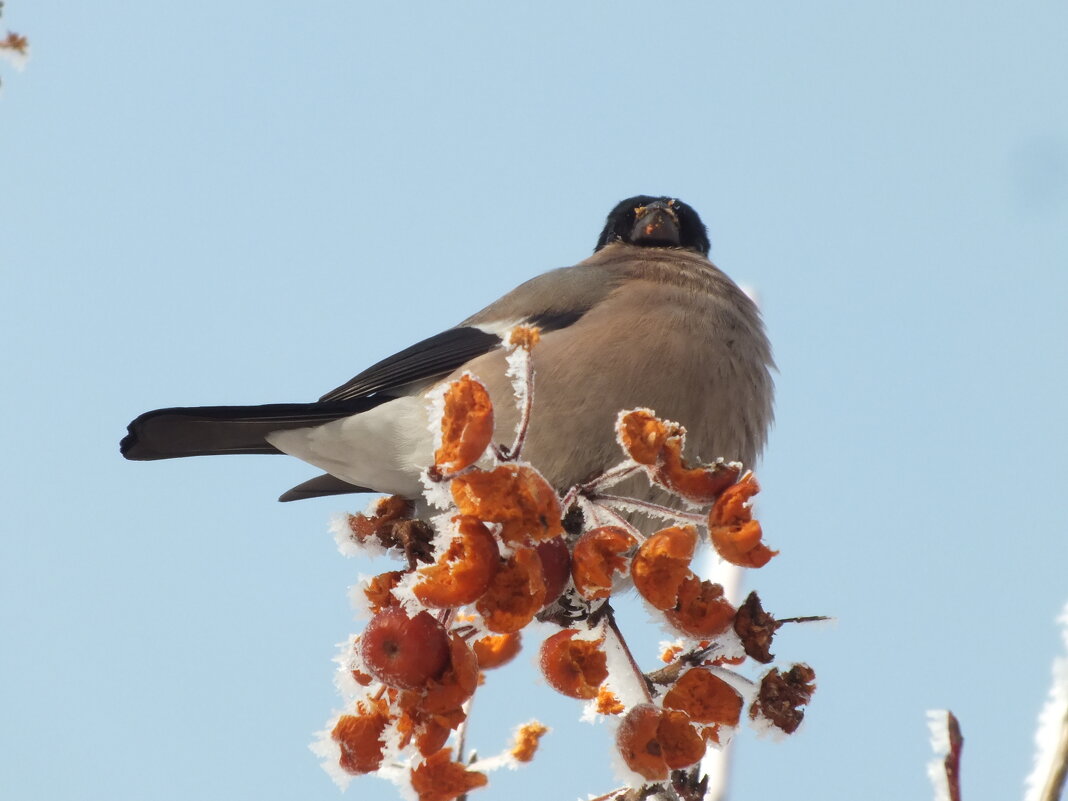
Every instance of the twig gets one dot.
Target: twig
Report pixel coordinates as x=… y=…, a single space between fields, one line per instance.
x=606 y=479
x=805 y=619
x=952 y=761
x=1054 y=786
x=610 y=620
x=461 y=731
x=652 y=509
x=670 y=673
x=521 y=367
x=614 y=795
x=597 y=512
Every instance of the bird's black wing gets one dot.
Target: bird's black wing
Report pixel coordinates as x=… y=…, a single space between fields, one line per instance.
x=551 y=301
x=436 y=356
x=439 y=355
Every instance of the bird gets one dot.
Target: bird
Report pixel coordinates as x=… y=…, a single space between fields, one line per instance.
x=646 y=321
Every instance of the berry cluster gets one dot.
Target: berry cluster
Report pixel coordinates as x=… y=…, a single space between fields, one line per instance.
x=506 y=551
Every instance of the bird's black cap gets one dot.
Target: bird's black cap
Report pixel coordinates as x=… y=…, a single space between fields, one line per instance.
x=655 y=222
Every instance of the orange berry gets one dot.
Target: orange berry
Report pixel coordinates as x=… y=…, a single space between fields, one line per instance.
x=637 y=744
x=466 y=425
x=438 y=778
x=463 y=572
x=705 y=697
x=576 y=668
x=360 y=738
x=556 y=562
x=642 y=435
x=495 y=650
x=736 y=536
x=516 y=496
x=516 y=593
x=662 y=564
x=379 y=590
x=699 y=485
x=405 y=652
x=598 y=557
x=680 y=744
x=654 y=741
x=457 y=683
x=701 y=611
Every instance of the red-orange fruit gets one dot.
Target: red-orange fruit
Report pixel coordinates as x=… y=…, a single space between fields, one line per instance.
x=705 y=697
x=654 y=741
x=598 y=557
x=576 y=668
x=516 y=496
x=360 y=738
x=736 y=536
x=466 y=425
x=438 y=778
x=637 y=743
x=463 y=572
x=699 y=485
x=386 y=511
x=524 y=336
x=527 y=738
x=379 y=590
x=431 y=736
x=429 y=731
x=702 y=611
x=495 y=650
x=680 y=744
x=556 y=563
x=405 y=652
x=642 y=436
x=662 y=564
x=362 y=678
x=457 y=683
x=741 y=544
x=607 y=703
x=516 y=593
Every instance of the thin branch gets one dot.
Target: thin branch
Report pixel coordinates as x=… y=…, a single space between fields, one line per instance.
x=1054 y=786
x=652 y=509
x=598 y=512
x=610 y=621
x=606 y=479
x=952 y=761
x=670 y=673
x=805 y=619
x=526 y=402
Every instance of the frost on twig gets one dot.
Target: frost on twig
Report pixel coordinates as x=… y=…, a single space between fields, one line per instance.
x=1047 y=779
x=946 y=742
x=508 y=550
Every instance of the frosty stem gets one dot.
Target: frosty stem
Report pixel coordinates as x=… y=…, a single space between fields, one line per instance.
x=1054 y=786
x=610 y=621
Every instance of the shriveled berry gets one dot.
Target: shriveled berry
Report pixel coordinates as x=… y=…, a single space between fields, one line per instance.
x=574 y=667
x=702 y=611
x=495 y=650
x=599 y=558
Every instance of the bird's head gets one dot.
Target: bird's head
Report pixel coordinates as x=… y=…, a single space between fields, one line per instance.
x=655 y=222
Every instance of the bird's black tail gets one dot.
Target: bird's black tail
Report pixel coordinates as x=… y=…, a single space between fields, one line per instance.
x=212 y=430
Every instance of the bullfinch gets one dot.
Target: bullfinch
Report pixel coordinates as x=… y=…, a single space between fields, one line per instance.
x=646 y=321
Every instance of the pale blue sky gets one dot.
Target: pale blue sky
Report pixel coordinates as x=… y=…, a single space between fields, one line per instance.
x=243 y=202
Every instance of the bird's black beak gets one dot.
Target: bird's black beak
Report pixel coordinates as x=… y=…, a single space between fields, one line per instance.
x=656 y=225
